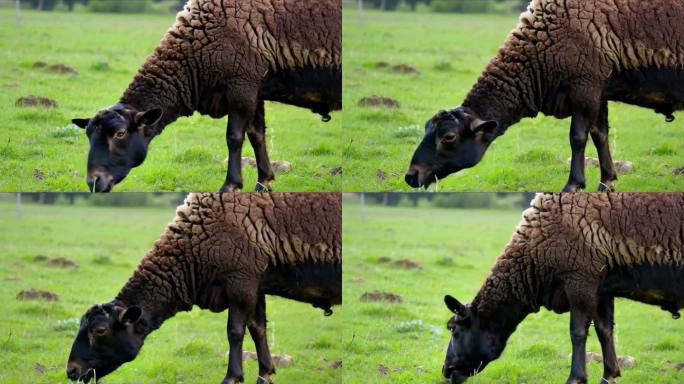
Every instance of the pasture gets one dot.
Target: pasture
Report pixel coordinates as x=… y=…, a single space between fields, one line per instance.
x=383 y=52
x=405 y=342
x=40 y=150
x=106 y=244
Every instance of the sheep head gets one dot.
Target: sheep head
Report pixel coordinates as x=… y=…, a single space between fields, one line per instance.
x=454 y=140
x=472 y=345
x=109 y=336
x=119 y=137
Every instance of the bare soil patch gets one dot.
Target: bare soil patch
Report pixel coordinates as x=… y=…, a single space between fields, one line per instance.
x=277 y=165
x=407 y=264
x=61 y=69
x=35 y=101
x=61 y=262
x=376 y=296
x=34 y=294
x=379 y=101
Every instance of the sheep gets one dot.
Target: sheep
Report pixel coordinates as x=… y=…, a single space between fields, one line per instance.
x=223 y=57
x=221 y=251
x=566 y=58
x=574 y=252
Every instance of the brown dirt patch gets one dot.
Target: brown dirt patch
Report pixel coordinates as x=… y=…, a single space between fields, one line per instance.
x=35 y=101
x=61 y=262
x=34 y=294
x=381 y=175
x=678 y=171
x=381 y=296
x=378 y=101
x=40 y=368
x=336 y=171
x=679 y=366
x=405 y=68
x=382 y=369
x=56 y=68
x=337 y=364
x=407 y=264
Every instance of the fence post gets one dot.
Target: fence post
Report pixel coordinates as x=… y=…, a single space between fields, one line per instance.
x=18 y=19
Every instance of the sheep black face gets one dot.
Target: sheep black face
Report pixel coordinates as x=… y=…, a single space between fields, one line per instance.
x=471 y=347
x=119 y=138
x=453 y=141
x=108 y=337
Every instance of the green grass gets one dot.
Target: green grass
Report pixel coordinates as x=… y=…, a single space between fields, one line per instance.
x=456 y=249
x=107 y=50
x=108 y=243
x=450 y=51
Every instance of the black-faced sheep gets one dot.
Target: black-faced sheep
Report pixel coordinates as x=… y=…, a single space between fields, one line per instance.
x=566 y=58
x=574 y=252
x=223 y=57
x=221 y=251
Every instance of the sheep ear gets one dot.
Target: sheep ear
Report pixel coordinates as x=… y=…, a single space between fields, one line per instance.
x=150 y=117
x=81 y=123
x=130 y=315
x=478 y=125
x=455 y=306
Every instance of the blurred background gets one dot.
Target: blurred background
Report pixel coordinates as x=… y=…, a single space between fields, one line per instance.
x=456 y=6
x=122 y=6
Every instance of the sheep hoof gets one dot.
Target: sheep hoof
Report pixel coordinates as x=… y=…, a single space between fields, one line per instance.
x=606 y=187
x=264 y=380
x=325 y=118
x=263 y=187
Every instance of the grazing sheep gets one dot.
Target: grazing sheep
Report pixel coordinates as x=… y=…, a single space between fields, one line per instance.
x=574 y=252
x=566 y=58
x=221 y=251
x=223 y=57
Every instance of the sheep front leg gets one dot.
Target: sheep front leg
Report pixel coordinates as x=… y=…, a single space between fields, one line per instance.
x=599 y=135
x=580 y=318
x=235 y=136
x=578 y=142
x=257 y=137
x=237 y=321
x=603 y=323
x=257 y=328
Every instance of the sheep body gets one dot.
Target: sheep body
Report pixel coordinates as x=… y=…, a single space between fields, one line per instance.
x=566 y=58
x=577 y=253
x=222 y=251
x=224 y=57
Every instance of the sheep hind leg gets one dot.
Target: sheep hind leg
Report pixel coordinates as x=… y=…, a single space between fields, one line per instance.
x=580 y=317
x=257 y=137
x=237 y=321
x=257 y=328
x=603 y=323
x=235 y=136
x=599 y=135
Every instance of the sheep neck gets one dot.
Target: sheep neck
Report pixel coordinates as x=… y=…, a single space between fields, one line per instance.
x=161 y=84
x=159 y=296
x=506 y=92
x=507 y=296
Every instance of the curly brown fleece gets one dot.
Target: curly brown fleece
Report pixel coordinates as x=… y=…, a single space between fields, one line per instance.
x=217 y=48
x=563 y=46
x=219 y=245
x=580 y=238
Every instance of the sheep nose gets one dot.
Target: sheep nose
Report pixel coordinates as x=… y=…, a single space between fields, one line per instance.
x=73 y=371
x=100 y=181
x=413 y=176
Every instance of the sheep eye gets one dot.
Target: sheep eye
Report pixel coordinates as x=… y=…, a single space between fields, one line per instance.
x=450 y=137
x=100 y=331
x=120 y=134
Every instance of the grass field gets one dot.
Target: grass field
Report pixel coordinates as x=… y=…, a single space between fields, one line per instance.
x=450 y=51
x=107 y=243
x=406 y=342
x=40 y=150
